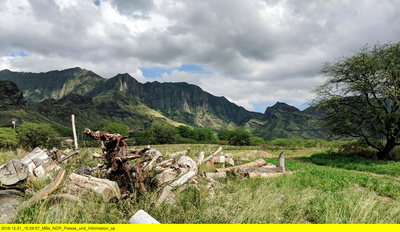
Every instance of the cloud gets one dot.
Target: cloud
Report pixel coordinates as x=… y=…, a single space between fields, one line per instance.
x=253 y=52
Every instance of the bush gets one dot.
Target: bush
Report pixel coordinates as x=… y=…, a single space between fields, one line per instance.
x=37 y=135
x=8 y=138
x=240 y=137
x=163 y=134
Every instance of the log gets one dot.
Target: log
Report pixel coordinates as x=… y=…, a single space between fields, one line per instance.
x=47 y=190
x=180 y=153
x=257 y=163
x=106 y=188
x=13 y=172
x=218 y=159
x=141 y=217
x=229 y=161
x=215 y=175
x=264 y=169
x=282 y=161
x=97 y=155
x=201 y=158
x=69 y=156
x=266 y=175
x=214 y=154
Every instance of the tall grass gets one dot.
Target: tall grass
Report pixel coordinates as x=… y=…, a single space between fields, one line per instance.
x=314 y=194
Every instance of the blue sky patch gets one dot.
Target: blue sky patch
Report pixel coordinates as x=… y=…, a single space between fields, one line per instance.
x=96 y=2
x=20 y=53
x=155 y=72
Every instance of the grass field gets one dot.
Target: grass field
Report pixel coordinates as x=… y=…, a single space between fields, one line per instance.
x=327 y=187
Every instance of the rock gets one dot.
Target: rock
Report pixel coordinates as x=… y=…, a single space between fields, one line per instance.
x=141 y=217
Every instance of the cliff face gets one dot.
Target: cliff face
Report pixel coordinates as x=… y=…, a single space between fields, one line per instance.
x=10 y=96
x=56 y=95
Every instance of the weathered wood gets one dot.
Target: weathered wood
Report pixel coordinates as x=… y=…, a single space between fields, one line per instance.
x=106 y=188
x=201 y=158
x=229 y=161
x=141 y=217
x=266 y=175
x=180 y=153
x=48 y=189
x=218 y=159
x=282 y=161
x=13 y=172
x=257 y=163
x=244 y=170
x=215 y=175
x=69 y=156
x=214 y=154
x=97 y=155
x=74 y=131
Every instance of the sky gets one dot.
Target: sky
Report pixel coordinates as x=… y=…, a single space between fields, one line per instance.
x=253 y=52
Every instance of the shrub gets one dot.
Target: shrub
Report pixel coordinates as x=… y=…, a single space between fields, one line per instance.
x=8 y=138
x=37 y=135
x=163 y=134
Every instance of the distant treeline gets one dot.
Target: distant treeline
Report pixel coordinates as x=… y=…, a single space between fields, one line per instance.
x=30 y=135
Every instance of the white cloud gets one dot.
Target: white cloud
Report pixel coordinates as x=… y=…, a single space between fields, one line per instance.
x=255 y=52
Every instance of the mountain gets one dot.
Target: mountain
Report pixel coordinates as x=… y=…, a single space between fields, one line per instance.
x=55 y=95
x=54 y=84
x=284 y=121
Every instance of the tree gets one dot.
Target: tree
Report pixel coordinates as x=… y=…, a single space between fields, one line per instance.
x=36 y=135
x=240 y=137
x=163 y=133
x=361 y=97
x=117 y=128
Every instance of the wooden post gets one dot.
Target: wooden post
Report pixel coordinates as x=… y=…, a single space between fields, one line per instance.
x=74 y=131
x=282 y=161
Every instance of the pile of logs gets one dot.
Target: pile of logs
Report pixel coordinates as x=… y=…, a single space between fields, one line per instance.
x=125 y=173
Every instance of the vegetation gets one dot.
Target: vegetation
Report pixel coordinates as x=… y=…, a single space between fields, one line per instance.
x=111 y=128
x=8 y=138
x=314 y=194
x=362 y=99
x=31 y=135
x=163 y=134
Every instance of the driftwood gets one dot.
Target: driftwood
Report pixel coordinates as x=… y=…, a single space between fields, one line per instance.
x=69 y=156
x=266 y=175
x=215 y=175
x=201 y=158
x=35 y=164
x=257 y=163
x=211 y=156
x=13 y=172
x=48 y=189
x=180 y=153
x=106 y=188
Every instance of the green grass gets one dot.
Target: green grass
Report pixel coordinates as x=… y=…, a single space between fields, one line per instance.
x=352 y=162
x=315 y=194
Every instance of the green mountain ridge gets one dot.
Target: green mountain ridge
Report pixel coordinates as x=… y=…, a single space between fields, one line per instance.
x=55 y=95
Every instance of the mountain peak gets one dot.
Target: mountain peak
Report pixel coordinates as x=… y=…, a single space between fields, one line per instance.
x=281 y=106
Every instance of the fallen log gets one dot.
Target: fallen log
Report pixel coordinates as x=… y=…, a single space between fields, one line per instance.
x=180 y=153
x=215 y=175
x=264 y=169
x=257 y=163
x=69 y=156
x=211 y=156
x=266 y=175
x=201 y=158
x=106 y=188
x=47 y=190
